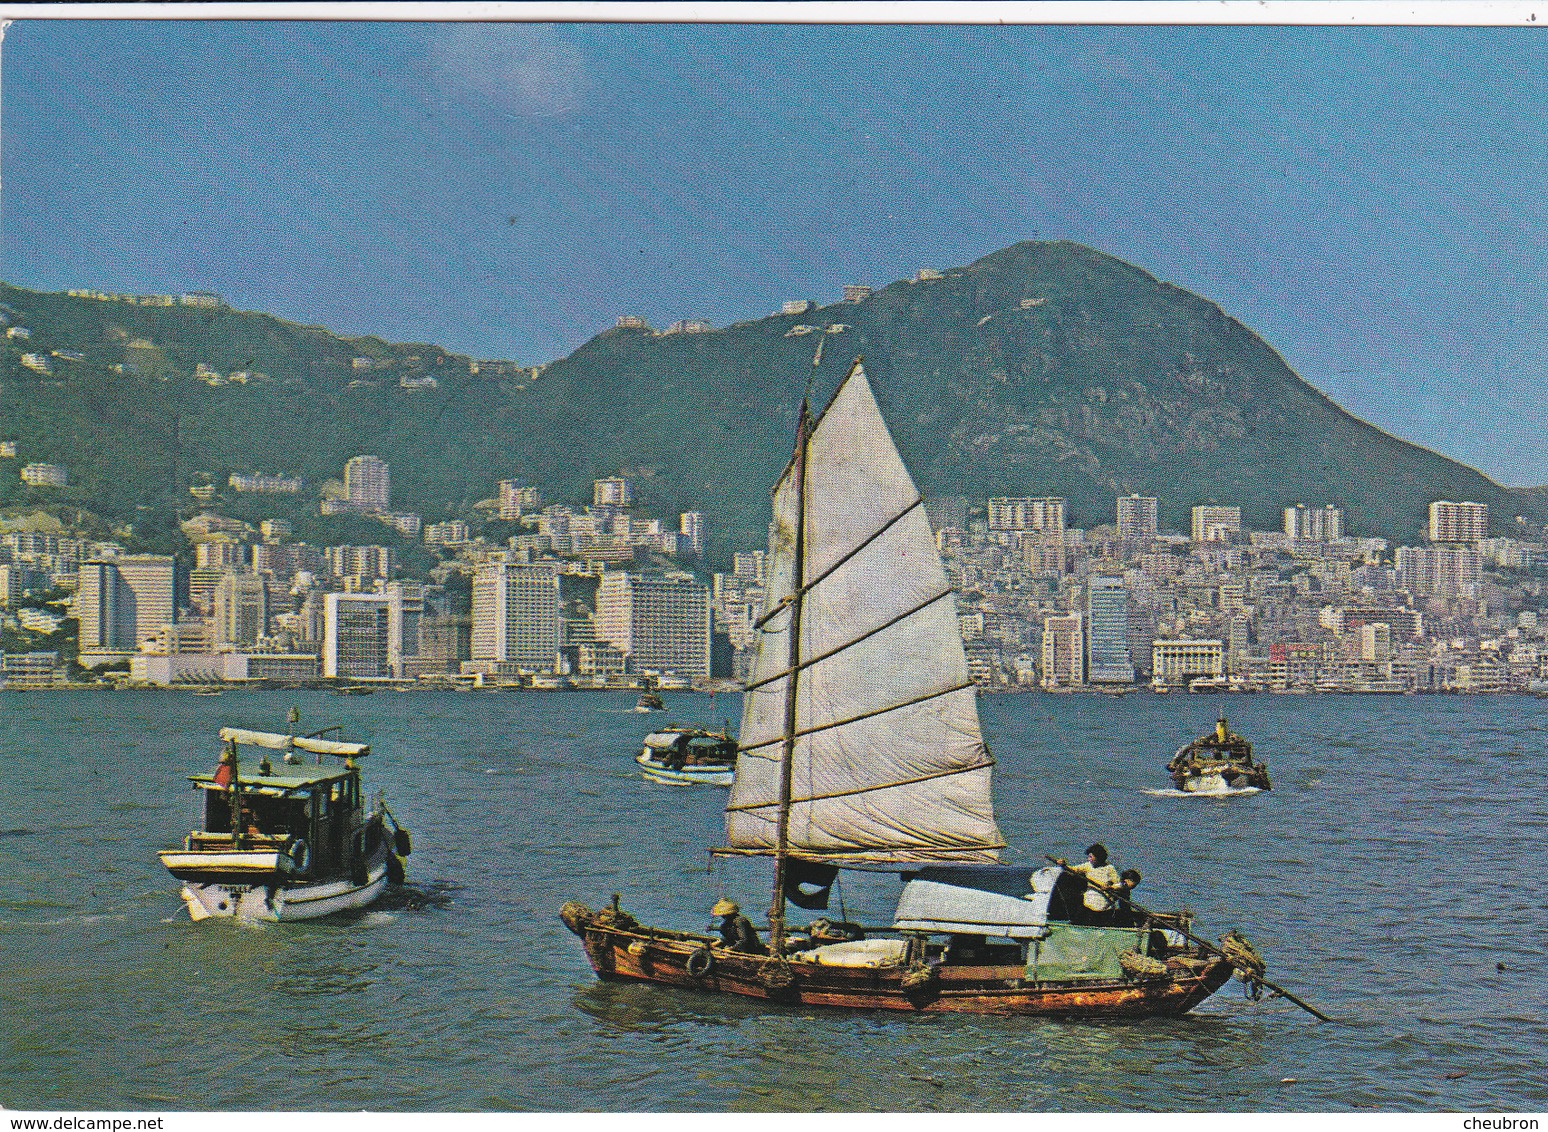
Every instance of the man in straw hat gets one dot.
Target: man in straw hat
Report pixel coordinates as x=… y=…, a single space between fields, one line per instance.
x=736 y=930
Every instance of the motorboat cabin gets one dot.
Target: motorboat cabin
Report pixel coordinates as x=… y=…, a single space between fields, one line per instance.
x=287 y=839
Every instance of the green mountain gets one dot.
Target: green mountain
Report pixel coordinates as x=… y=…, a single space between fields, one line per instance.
x=1042 y=369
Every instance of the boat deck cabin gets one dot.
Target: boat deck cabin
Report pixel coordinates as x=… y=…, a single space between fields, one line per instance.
x=283 y=803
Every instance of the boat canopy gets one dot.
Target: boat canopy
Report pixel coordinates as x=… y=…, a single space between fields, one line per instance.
x=887 y=762
x=965 y=908
x=273 y=741
x=285 y=780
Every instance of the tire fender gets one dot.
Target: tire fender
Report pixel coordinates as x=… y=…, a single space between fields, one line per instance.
x=700 y=962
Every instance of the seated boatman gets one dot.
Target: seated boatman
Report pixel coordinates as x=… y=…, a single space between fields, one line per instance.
x=1124 y=915
x=1097 y=906
x=736 y=930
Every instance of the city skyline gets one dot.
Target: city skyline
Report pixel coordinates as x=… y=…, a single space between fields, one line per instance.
x=1354 y=195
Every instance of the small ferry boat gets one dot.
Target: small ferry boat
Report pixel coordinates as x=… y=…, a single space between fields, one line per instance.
x=291 y=841
x=1216 y=762
x=679 y=755
x=649 y=701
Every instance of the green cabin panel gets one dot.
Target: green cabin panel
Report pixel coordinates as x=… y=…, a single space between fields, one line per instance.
x=1074 y=951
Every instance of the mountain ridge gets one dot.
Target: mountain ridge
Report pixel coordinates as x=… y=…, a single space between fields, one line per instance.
x=1039 y=369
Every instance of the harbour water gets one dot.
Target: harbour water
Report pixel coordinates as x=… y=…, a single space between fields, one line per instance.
x=1392 y=877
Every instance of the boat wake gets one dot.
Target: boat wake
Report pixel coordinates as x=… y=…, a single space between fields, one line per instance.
x=1226 y=792
x=410 y=897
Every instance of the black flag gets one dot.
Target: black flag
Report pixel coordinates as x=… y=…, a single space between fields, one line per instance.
x=807 y=883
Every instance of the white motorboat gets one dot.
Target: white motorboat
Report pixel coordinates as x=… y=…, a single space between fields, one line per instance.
x=289 y=842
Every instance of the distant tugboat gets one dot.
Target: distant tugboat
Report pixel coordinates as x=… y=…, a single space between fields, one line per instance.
x=649 y=701
x=1216 y=762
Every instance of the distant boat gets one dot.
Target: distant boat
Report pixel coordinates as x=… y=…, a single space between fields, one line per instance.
x=355 y=690
x=678 y=755
x=1217 y=762
x=289 y=842
x=649 y=701
x=860 y=748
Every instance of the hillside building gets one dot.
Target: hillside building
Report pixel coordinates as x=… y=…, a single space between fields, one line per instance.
x=367 y=483
x=1138 y=517
x=45 y=475
x=1022 y=514
x=1458 y=522
x=1212 y=523
x=1314 y=524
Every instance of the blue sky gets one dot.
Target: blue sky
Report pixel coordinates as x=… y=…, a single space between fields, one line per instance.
x=1374 y=202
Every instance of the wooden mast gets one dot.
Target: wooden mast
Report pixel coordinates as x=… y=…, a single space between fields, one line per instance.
x=787 y=758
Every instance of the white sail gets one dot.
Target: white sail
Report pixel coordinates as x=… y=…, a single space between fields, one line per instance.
x=889 y=764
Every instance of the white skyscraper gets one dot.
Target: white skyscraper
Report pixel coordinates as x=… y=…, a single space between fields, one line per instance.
x=367 y=485
x=122 y=601
x=1314 y=524
x=241 y=610
x=516 y=614
x=362 y=636
x=660 y=622
x=1216 y=524
x=1458 y=522
x=1137 y=516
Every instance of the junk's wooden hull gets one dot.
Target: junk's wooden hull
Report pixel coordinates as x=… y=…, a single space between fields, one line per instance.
x=619 y=949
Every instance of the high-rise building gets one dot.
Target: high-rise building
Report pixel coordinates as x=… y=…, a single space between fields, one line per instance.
x=750 y=566
x=515 y=499
x=122 y=601
x=1107 y=620
x=1439 y=571
x=241 y=610
x=660 y=621
x=1458 y=522
x=1216 y=524
x=1180 y=660
x=1376 y=641
x=219 y=553
x=1314 y=524
x=516 y=614
x=690 y=525
x=1064 y=651
x=1026 y=514
x=614 y=492
x=275 y=530
x=362 y=637
x=1137 y=516
x=367 y=485
x=410 y=597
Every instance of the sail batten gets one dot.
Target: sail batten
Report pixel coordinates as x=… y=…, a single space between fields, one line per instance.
x=816 y=660
x=882 y=752
x=856 y=718
x=865 y=789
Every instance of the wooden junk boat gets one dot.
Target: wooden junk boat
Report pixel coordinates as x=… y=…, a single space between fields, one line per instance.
x=860 y=748
x=289 y=842
x=1216 y=762
x=679 y=755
